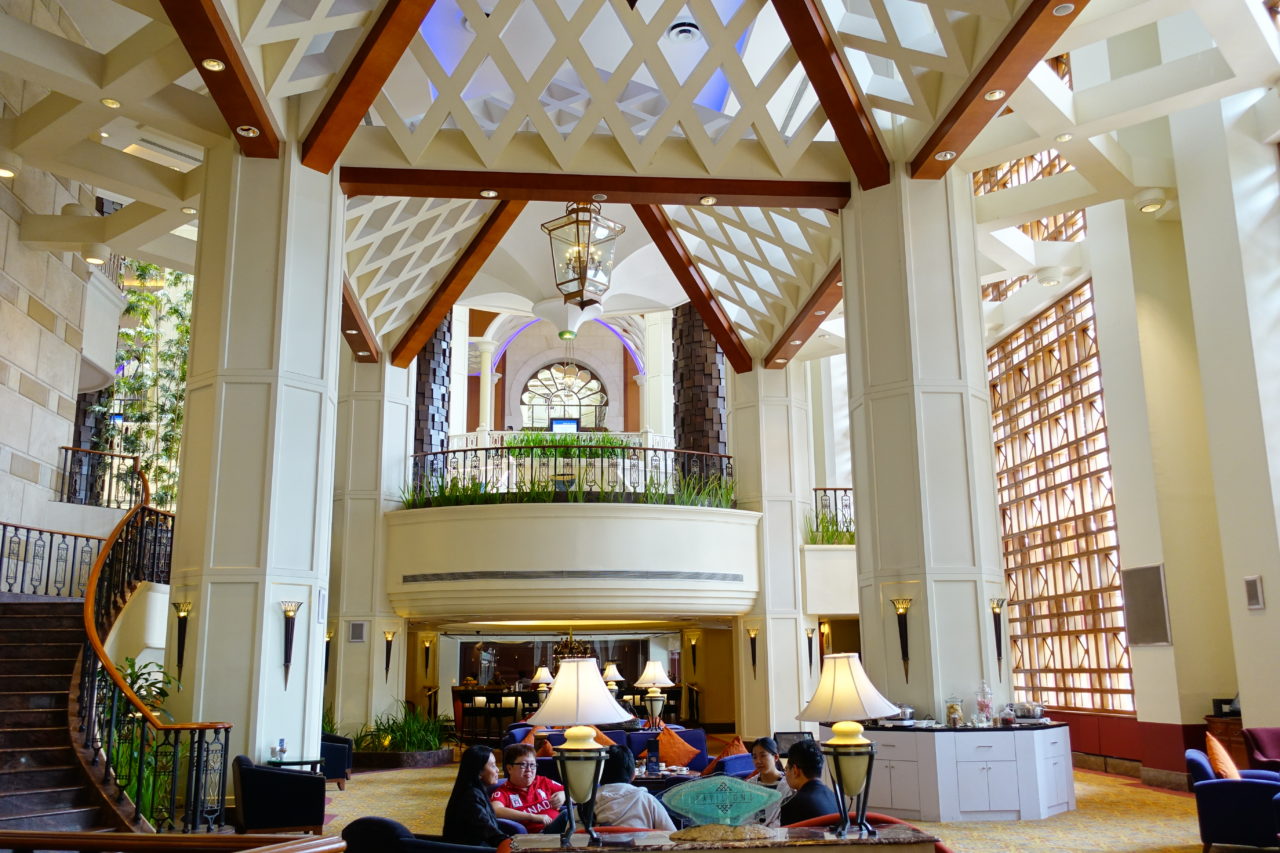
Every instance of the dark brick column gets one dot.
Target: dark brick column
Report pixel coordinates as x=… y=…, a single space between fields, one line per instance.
x=431 y=423
x=699 y=384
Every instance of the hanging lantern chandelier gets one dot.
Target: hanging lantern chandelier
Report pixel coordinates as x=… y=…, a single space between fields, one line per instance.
x=582 y=247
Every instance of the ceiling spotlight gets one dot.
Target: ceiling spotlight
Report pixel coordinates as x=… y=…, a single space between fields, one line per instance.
x=95 y=253
x=796 y=343
x=599 y=197
x=1049 y=276
x=1064 y=9
x=488 y=193
x=213 y=64
x=780 y=360
x=995 y=94
x=351 y=331
x=103 y=134
x=707 y=200
x=567 y=334
x=10 y=163
x=819 y=313
x=362 y=353
x=248 y=130
x=189 y=211
x=944 y=156
x=110 y=103
x=1063 y=137
x=684 y=31
x=1150 y=200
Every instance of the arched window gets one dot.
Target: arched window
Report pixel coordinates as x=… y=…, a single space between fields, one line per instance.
x=563 y=391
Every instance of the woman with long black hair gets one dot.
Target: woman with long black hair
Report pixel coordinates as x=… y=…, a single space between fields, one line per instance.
x=468 y=818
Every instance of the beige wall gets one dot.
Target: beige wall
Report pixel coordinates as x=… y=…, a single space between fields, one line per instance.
x=715 y=675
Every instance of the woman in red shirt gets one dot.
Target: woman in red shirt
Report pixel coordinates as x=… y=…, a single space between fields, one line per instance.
x=532 y=800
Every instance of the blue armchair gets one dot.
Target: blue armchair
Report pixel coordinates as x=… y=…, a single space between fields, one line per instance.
x=1234 y=811
x=275 y=799
x=336 y=752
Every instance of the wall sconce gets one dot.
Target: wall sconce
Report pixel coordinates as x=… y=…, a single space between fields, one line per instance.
x=693 y=654
x=183 y=609
x=997 y=604
x=426 y=658
x=901 y=606
x=328 y=646
x=808 y=635
x=751 y=640
x=290 y=609
x=388 y=636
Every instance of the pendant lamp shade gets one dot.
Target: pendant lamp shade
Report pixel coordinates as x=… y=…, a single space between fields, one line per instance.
x=845 y=693
x=578 y=696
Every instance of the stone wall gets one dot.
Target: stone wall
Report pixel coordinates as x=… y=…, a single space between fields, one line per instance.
x=699 y=384
x=431 y=421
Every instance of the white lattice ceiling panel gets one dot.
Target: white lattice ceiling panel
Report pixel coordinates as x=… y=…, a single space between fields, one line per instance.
x=711 y=72
x=302 y=45
x=398 y=249
x=761 y=263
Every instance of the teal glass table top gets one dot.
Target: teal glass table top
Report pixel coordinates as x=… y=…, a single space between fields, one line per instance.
x=720 y=799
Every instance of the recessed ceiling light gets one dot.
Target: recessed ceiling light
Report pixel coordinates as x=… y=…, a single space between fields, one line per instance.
x=779 y=360
x=189 y=211
x=95 y=253
x=945 y=156
x=103 y=134
x=363 y=352
x=6 y=172
x=599 y=197
x=111 y=103
x=213 y=64
x=248 y=130
x=796 y=343
x=1150 y=200
x=1151 y=206
x=1063 y=9
x=488 y=193
x=684 y=31
x=1063 y=137
x=819 y=313
x=995 y=94
x=707 y=200
x=351 y=331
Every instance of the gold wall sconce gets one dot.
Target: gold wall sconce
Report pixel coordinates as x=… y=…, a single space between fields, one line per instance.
x=388 y=636
x=693 y=654
x=183 y=609
x=752 y=633
x=328 y=647
x=997 y=605
x=900 y=607
x=808 y=635
x=290 y=609
x=426 y=658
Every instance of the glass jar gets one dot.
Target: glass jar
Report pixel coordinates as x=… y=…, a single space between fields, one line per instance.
x=982 y=714
x=955 y=711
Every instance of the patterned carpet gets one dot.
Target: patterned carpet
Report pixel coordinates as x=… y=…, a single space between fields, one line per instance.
x=1115 y=815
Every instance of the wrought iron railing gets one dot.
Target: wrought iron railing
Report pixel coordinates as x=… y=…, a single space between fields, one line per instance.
x=99 y=478
x=835 y=504
x=554 y=473
x=34 y=561
x=498 y=438
x=175 y=774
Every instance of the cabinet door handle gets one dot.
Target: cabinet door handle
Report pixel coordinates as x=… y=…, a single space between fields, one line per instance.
x=986 y=746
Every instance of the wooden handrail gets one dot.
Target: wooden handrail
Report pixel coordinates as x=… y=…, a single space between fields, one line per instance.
x=54 y=532
x=119 y=842
x=132 y=456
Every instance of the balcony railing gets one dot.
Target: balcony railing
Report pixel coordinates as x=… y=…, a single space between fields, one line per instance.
x=571 y=472
x=498 y=438
x=99 y=478
x=834 y=508
x=45 y=562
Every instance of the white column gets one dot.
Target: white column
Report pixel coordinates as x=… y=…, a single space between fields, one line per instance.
x=646 y=408
x=920 y=414
x=253 y=526
x=1230 y=201
x=458 y=370
x=659 y=395
x=821 y=396
x=375 y=439
x=769 y=435
x=485 y=420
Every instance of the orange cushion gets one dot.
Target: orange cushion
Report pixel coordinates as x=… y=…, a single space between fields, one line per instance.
x=602 y=738
x=734 y=747
x=1220 y=759
x=673 y=751
x=528 y=738
x=546 y=750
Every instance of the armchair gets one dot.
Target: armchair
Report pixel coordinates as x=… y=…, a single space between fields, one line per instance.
x=276 y=799
x=337 y=752
x=1233 y=811
x=1263 y=746
x=383 y=835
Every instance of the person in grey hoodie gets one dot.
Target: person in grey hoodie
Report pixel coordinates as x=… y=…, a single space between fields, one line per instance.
x=619 y=803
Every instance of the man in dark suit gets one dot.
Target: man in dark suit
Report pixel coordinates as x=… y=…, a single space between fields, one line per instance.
x=804 y=775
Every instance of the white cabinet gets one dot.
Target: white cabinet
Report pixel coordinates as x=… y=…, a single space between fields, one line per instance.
x=988 y=774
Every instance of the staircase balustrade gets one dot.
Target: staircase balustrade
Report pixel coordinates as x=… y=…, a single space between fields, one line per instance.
x=174 y=773
x=835 y=504
x=99 y=478
x=35 y=561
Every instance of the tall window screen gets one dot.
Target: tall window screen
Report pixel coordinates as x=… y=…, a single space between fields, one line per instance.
x=1066 y=621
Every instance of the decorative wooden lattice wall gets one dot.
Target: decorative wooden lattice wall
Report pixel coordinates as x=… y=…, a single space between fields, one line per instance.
x=1066 y=622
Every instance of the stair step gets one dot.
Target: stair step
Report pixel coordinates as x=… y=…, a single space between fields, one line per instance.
x=19 y=621
x=19 y=700
x=67 y=820
x=32 y=718
x=37 y=648
x=42 y=634
x=47 y=607
x=36 y=757
x=34 y=683
x=38 y=666
x=44 y=736
x=30 y=778
x=35 y=801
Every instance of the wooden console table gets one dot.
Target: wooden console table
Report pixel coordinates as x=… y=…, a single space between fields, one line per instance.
x=1228 y=731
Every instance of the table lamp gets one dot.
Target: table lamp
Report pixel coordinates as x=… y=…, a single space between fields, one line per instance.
x=611 y=678
x=654 y=678
x=541 y=677
x=845 y=694
x=579 y=697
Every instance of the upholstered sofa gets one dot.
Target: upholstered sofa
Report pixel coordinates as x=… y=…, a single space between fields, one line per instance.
x=638 y=742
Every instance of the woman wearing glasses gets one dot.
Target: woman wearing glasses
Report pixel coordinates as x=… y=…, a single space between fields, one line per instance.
x=527 y=798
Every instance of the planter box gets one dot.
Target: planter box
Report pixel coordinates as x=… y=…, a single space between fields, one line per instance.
x=830 y=579
x=397 y=760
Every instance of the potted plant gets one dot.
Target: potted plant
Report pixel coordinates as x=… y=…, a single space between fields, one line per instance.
x=404 y=737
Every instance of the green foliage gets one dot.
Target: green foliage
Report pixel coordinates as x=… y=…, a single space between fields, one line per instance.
x=405 y=729
x=825 y=528
x=537 y=444
x=151 y=377
x=141 y=773
x=704 y=490
x=150 y=682
x=328 y=722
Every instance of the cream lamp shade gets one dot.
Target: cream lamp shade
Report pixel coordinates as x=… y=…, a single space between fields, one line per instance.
x=654 y=675
x=611 y=673
x=541 y=675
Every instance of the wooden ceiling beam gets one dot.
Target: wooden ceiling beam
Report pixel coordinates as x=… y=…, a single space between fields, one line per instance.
x=686 y=271
x=824 y=299
x=207 y=37
x=366 y=74
x=356 y=330
x=455 y=282
x=850 y=118
x=1026 y=43
x=620 y=189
